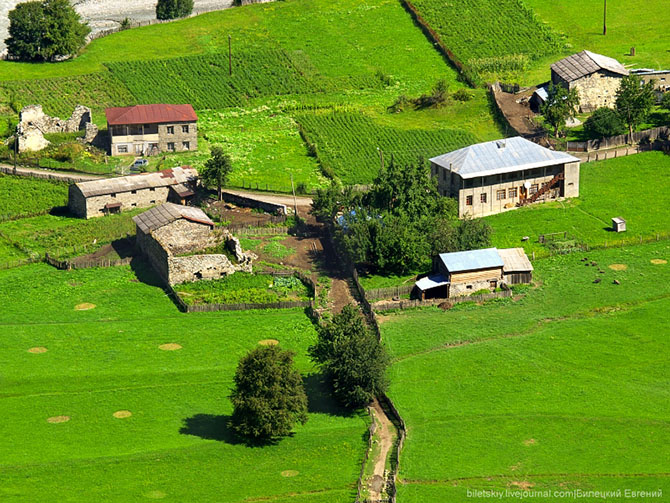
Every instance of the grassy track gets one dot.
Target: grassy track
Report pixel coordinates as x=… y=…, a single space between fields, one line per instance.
x=564 y=389
x=601 y=197
x=176 y=442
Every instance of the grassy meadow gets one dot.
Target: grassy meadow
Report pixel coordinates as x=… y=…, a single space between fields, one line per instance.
x=613 y=188
x=28 y=196
x=565 y=388
x=176 y=444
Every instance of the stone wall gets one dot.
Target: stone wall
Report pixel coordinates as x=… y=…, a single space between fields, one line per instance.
x=597 y=90
x=185 y=236
x=76 y=201
x=34 y=124
x=141 y=144
x=155 y=253
x=142 y=198
x=251 y=202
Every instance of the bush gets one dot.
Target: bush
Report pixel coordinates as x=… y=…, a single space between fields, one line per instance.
x=462 y=95
x=269 y=395
x=45 y=31
x=173 y=9
x=604 y=122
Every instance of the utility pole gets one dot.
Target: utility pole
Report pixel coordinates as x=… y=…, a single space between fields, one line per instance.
x=16 y=145
x=605 y=18
x=230 y=57
x=295 y=201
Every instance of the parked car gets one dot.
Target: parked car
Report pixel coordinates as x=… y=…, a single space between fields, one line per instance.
x=139 y=165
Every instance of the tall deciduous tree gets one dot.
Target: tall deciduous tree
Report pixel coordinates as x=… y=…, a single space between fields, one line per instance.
x=352 y=358
x=560 y=106
x=216 y=170
x=269 y=395
x=173 y=9
x=634 y=100
x=45 y=30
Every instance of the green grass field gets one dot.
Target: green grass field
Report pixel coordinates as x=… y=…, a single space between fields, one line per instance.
x=563 y=389
x=28 y=196
x=602 y=196
x=176 y=443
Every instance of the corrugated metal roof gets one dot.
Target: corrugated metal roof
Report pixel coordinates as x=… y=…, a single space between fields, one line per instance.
x=167 y=213
x=585 y=63
x=500 y=156
x=515 y=260
x=150 y=114
x=431 y=281
x=542 y=93
x=174 y=176
x=471 y=260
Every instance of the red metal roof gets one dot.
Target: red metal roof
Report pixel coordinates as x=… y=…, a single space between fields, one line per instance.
x=150 y=114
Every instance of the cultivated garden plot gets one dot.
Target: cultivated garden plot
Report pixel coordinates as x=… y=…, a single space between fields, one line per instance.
x=561 y=389
x=147 y=407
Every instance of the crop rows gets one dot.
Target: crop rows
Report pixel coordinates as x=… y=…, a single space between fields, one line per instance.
x=347 y=144
x=59 y=96
x=205 y=82
x=483 y=34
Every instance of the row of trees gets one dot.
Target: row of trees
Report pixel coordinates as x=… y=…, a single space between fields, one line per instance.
x=400 y=223
x=47 y=30
x=269 y=396
x=634 y=102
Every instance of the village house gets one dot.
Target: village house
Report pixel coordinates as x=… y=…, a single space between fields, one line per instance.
x=499 y=175
x=170 y=237
x=114 y=195
x=151 y=129
x=463 y=273
x=595 y=77
x=660 y=78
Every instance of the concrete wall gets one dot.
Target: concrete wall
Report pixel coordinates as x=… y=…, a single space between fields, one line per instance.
x=140 y=144
x=142 y=198
x=571 y=182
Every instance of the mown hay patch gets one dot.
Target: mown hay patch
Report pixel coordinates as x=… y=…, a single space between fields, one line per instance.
x=58 y=419
x=37 y=350
x=171 y=346
x=618 y=267
x=658 y=261
x=122 y=414
x=84 y=306
x=155 y=495
x=530 y=441
x=524 y=485
x=268 y=342
x=289 y=473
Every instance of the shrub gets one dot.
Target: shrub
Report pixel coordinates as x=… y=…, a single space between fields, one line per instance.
x=604 y=122
x=173 y=9
x=462 y=95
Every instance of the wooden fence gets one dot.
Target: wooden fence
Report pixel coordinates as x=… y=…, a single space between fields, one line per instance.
x=387 y=293
x=409 y=304
x=67 y=265
x=647 y=137
x=20 y=262
x=258 y=231
x=361 y=476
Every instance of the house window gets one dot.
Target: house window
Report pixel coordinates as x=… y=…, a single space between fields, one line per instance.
x=133 y=205
x=122 y=149
x=152 y=189
x=135 y=130
x=170 y=130
x=500 y=194
x=482 y=197
x=133 y=192
x=152 y=202
x=468 y=200
x=469 y=287
x=493 y=284
x=186 y=145
x=511 y=193
x=533 y=188
x=170 y=146
x=184 y=129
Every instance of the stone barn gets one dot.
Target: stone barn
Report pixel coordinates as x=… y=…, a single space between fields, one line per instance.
x=151 y=129
x=500 y=175
x=595 y=77
x=171 y=236
x=463 y=273
x=114 y=195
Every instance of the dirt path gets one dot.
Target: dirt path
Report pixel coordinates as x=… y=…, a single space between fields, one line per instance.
x=377 y=482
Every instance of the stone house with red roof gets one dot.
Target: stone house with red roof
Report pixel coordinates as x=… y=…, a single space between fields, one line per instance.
x=152 y=129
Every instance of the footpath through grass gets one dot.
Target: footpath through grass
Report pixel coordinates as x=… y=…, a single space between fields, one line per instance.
x=565 y=389
x=176 y=444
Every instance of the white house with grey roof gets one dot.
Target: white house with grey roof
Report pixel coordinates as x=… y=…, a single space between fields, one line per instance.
x=595 y=77
x=114 y=195
x=496 y=176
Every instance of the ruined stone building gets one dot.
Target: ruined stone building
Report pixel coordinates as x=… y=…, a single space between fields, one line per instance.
x=34 y=124
x=170 y=237
x=499 y=175
x=151 y=129
x=114 y=195
x=463 y=273
x=595 y=77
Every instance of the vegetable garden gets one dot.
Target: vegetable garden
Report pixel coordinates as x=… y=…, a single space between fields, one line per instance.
x=347 y=143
